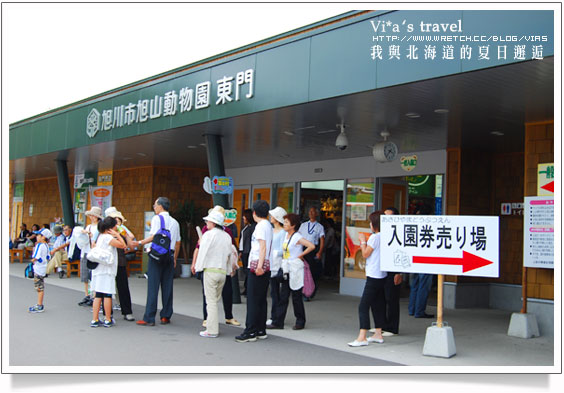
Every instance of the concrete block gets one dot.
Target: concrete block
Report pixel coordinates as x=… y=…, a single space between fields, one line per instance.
x=439 y=342
x=523 y=325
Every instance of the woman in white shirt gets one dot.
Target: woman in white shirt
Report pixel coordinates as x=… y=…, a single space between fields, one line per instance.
x=104 y=276
x=94 y=215
x=217 y=259
x=259 y=275
x=276 y=276
x=293 y=268
x=373 y=296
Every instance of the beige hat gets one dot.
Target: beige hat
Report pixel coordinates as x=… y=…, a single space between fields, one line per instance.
x=278 y=213
x=95 y=211
x=216 y=215
x=113 y=212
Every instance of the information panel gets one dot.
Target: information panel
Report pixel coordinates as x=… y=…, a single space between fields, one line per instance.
x=538 y=242
x=452 y=245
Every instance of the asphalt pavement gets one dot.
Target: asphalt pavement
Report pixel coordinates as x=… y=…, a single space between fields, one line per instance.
x=332 y=321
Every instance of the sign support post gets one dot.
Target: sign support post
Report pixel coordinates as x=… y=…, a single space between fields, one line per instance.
x=440 y=282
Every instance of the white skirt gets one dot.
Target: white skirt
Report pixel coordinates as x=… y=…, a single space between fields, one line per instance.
x=104 y=283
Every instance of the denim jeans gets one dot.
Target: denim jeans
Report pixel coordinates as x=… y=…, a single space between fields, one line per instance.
x=160 y=274
x=420 y=288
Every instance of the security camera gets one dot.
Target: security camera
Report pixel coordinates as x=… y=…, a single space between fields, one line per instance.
x=342 y=142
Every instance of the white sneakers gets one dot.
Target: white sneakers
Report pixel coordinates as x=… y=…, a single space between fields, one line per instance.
x=207 y=335
x=358 y=343
x=365 y=343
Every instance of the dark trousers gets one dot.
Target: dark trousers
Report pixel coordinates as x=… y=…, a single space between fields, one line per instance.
x=122 y=284
x=245 y=269
x=373 y=298
x=160 y=274
x=257 y=288
x=226 y=296
x=283 y=292
x=392 y=293
x=315 y=267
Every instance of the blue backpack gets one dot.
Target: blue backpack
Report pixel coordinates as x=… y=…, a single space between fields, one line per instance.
x=29 y=270
x=160 y=247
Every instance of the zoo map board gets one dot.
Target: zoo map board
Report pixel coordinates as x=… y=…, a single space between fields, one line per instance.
x=450 y=245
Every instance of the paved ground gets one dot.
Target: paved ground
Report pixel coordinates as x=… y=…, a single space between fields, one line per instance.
x=332 y=321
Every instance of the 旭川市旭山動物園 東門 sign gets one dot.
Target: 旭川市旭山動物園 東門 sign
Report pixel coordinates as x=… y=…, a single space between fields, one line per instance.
x=451 y=245
x=171 y=103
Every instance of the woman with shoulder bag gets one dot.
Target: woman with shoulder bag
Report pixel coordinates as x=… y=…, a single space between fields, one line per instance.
x=104 y=275
x=293 y=265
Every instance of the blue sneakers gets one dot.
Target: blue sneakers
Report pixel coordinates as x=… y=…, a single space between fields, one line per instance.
x=37 y=308
x=94 y=323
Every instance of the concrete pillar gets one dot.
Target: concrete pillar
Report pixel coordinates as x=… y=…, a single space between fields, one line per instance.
x=65 y=192
x=216 y=167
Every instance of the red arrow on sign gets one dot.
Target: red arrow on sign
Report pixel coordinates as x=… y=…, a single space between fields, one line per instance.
x=549 y=186
x=468 y=261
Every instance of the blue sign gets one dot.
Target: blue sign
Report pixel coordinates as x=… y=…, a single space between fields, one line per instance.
x=222 y=185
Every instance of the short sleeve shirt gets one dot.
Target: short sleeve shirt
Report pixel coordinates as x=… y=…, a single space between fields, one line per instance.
x=170 y=223
x=373 y=261
x=263 y=231
x=41 y=256
x=292 y=250
x=312 y=231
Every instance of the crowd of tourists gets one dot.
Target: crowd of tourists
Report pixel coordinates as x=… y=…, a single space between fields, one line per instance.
x=276 y=249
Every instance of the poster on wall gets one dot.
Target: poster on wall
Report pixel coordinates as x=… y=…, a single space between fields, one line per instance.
x=538 y=242
x=101 y=196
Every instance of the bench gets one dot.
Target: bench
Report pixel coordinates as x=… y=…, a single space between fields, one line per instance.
x=17 y=254
x=135 y=265
x=73 y=267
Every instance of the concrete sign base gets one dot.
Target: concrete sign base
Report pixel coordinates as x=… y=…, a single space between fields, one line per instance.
x=523 y=326
x=439 y=342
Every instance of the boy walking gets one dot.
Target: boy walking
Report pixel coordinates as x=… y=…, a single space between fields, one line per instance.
x=40 y=259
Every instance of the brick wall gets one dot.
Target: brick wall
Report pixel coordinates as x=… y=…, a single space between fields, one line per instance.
x=44 y=195
x=539 y=148
x=179 y=185
x=508 y=187
x=484 y=182
x=132 y=196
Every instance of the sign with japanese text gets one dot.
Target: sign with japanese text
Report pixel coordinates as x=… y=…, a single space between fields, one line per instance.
x=228 y=89
x=105 y=178
x=545 y=179
x=538 y=244
x=452 y=245
x=101 y=197
x=222 y=185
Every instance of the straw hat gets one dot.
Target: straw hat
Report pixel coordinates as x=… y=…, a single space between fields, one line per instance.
x=216 y=215
x=278 y=213
x=95 y=211
x=113 y=212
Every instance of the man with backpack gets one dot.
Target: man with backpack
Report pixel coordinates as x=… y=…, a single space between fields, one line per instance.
x=164 y=243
